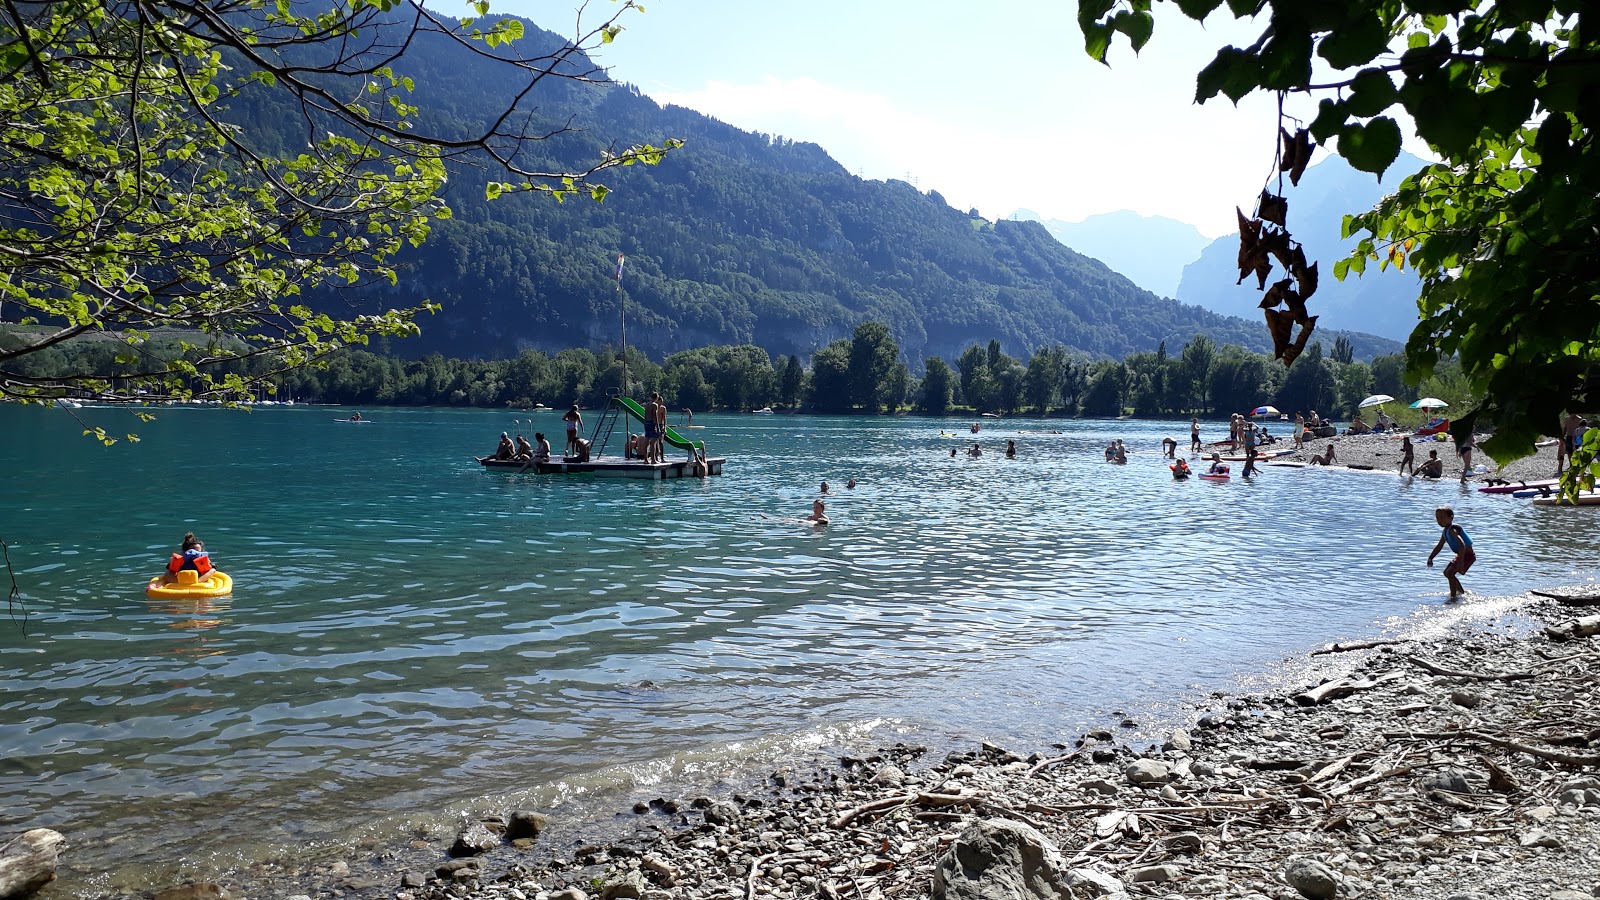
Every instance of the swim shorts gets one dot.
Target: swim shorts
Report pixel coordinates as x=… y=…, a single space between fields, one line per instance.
x=651 y=431
x=1463 y=561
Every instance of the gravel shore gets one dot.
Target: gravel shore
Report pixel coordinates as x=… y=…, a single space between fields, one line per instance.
x=1381 y=453
x=1449 y=767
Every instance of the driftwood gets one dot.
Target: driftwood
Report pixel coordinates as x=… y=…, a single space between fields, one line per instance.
x=920 y=799
x=755 y=869
x=1436 y=669
x=1587 y=626
x=1357 y=645
x=28 y=862
x=1569 y=600
x=1341 y=687
x=1575 y=760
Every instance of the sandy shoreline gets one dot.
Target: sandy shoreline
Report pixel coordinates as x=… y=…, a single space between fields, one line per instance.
x=1456 y=766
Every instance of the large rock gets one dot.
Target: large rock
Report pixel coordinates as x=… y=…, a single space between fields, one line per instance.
x=525 y=823
x=626 y=886
x=998 y=859
x=1147 y=771
x=1311 y=878
x=474 y=839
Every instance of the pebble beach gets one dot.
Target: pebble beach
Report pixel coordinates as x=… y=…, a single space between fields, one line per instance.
x=1458 y=767
x=1381 y=453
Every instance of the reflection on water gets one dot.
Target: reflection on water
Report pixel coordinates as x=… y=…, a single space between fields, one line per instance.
x=409 y=632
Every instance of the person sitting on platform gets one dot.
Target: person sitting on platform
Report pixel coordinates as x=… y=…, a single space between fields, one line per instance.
x=582 y=454
x=1324 y=459
x=506 y=450
x=524 y=450
x=541 y=452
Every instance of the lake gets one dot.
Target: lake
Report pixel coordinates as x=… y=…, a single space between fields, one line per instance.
x=410 y=636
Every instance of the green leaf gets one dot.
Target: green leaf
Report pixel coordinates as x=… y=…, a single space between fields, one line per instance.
x=1331 y=116
x=1136 y=25
x=1097 y=41
x=1233 y=72
x=1198 y=9
x=1371 y=92
x=1357 y=43
x=1286 y=58
x=1371 y=147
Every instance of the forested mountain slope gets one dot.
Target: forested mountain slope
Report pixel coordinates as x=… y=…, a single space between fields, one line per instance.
x=743 y=238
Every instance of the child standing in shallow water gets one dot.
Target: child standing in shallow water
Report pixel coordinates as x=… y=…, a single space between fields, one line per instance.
x=1460 y=543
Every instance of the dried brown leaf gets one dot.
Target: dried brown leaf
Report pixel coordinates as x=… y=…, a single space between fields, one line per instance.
x=1272 y=208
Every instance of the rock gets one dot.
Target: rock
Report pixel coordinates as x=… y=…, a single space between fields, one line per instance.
x=963 y=771
x=1103 y=754
x=627 y=886
x=413 y=880
x=1213 y=720
x=1179 y=741
x=474 y=839
x=1203 y=769
x=28 y=861
x=1542 y=814
x=1184 y=842
x=889 y=775
x=1571 y=895
x=1099 y=786
x=1311 y=878
x=340 y=869
x=570 y=893
x=1452 y=780
x=1146 y=771
x=997 y=859
x=1094 y=883
x=721 y=812
x=203 y=890
x=1170 y=793
x=1154 y=874
x=1540 y=839
x=450 y=870
x=1466 y=699
x=525 y=823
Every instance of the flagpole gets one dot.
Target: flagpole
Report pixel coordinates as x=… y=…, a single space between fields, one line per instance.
x=622 y=320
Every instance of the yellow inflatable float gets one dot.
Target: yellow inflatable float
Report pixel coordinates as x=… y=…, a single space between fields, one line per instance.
x=187 y=583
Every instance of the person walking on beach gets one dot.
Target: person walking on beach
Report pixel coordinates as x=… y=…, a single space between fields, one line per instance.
x=1460 y=542
x=1194 y=433
x=1299 y=430
x=1407 y=456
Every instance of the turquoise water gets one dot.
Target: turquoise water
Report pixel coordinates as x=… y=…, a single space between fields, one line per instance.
x=409 y=634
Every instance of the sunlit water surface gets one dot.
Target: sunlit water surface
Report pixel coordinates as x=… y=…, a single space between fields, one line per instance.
x=409 y=634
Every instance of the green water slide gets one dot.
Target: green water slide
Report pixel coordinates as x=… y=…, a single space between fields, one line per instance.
x=672 y=436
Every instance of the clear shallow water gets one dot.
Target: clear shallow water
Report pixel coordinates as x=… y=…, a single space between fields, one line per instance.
x=409 y=633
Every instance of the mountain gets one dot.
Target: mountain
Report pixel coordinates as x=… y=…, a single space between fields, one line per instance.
x=1382 y=303
x=738 y=238
x=1150 y=250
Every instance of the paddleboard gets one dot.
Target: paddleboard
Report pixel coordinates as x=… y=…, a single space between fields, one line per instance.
x=1519 y=486
x=1525 y=493
x=1209 y=477
x=1582 y=500
x=355 y=421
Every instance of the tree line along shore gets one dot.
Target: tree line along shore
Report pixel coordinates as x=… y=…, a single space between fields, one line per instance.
x=865 y=374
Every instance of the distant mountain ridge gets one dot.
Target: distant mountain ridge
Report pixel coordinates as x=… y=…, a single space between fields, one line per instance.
x=739 y=238
x=1150 y=250
x=1381 y=303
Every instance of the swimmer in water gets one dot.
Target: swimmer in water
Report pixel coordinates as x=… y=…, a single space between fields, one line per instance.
x=851 y=484
x=818 y=515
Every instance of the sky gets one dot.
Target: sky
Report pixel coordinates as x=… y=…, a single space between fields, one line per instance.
x=993 y=104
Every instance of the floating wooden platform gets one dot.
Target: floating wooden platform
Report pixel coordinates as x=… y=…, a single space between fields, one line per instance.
x=607 y=467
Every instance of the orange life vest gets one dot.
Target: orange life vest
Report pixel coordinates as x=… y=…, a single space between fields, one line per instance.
x=201 y=562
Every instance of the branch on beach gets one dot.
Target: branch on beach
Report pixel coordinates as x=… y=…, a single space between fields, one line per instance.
x=1575 y=760
x=1357 y=645
x=1588 y=626
x=917 y=799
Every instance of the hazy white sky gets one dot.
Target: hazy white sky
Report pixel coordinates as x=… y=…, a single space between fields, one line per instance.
x=993 y=104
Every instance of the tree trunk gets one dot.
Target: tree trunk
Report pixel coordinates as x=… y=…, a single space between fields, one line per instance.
x=28 y=862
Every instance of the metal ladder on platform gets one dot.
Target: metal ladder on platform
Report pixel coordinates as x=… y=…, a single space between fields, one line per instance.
x=604 y=426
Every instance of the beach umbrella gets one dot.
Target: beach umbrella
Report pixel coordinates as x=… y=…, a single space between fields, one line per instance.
x=1375 y=400
x=1264 y=411
x=1429 y=403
